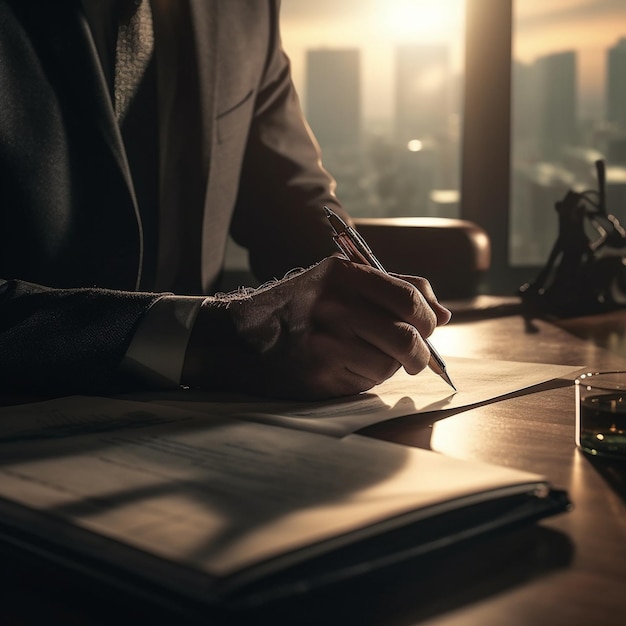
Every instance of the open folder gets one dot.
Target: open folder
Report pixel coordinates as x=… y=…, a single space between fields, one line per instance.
x=219 y=511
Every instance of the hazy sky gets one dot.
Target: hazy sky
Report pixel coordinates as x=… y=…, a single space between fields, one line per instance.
x=376 y=26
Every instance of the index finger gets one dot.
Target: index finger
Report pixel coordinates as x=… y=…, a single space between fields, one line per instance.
x=425 y=288
x=399 y=297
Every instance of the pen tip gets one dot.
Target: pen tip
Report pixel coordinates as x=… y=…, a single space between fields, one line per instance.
x=447 y=378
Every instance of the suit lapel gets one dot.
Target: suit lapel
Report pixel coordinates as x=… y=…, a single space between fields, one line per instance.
x=69 y=39
x=72 y=57
x=62 y=38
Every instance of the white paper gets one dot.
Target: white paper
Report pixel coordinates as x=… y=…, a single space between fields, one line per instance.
x=219 y=495
x=477 y=380
x=189 y=478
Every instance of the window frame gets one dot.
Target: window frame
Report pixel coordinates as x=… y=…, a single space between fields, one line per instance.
x=486 y=179
x=486 y=141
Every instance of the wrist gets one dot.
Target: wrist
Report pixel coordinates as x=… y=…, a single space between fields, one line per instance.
x=214 y=351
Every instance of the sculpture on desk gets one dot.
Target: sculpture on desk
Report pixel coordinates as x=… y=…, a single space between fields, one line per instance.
x=586 y=270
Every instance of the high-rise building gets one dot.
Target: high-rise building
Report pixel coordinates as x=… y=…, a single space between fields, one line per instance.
x=616 y=85
x=333 y=97
x=557 y=108
x=525 y=121
x=423 y=86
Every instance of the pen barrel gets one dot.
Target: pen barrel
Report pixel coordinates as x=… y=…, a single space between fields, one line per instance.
x=435 y=356
x=349 y=248
x=435 y=364
x=364 y=250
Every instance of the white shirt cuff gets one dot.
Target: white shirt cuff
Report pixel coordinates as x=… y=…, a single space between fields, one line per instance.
x=156 y=354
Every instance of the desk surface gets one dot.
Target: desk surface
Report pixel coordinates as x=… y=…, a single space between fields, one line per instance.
x=583 y=577
x=570 y=569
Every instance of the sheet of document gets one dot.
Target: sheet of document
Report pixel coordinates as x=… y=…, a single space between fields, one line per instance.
x=218 y=494
x=478 y=381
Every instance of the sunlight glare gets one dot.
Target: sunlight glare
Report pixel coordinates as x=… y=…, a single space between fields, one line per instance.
x=404 y=19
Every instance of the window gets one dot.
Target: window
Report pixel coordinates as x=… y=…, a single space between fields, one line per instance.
x=536 y=117
x=569 y=110
x=380 y=84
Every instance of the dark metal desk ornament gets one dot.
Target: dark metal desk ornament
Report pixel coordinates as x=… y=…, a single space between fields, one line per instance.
x=586 y=270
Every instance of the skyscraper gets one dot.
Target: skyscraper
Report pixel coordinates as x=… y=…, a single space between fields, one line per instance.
x=616 y=85
x=333 y=96
x=557 y=108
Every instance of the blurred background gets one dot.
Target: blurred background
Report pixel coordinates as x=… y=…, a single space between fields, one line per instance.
x=488 y=110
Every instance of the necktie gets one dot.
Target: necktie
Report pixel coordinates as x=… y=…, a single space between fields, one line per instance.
x=134 y=48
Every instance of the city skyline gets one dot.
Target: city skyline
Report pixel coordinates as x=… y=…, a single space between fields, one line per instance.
x=376 y=27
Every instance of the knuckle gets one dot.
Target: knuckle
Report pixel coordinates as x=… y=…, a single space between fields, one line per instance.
x=422 y=284
x=413 y=351
x=408 y=335
x=407 y=340
x=421 y=314
x=409 y=299
x=417 y=364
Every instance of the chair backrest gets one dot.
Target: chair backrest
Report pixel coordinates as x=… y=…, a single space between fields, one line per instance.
x=452 y=254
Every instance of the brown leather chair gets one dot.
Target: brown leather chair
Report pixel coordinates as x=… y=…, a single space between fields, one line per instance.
x=452 y=254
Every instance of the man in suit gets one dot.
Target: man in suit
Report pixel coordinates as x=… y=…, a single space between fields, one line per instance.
x=117 y=197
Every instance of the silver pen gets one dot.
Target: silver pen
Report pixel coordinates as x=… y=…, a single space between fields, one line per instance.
x=356 y=250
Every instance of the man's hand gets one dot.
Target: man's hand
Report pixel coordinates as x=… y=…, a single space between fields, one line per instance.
x=335 y=329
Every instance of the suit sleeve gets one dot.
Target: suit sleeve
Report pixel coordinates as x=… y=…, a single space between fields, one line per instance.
x=283 y=186
x=65 y=340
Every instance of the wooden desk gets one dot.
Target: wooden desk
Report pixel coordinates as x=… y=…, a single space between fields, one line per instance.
x=570 y=569
x=536 y=433
x=607 y=330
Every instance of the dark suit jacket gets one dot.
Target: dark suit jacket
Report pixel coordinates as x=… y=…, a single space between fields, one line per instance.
x=235 y=154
